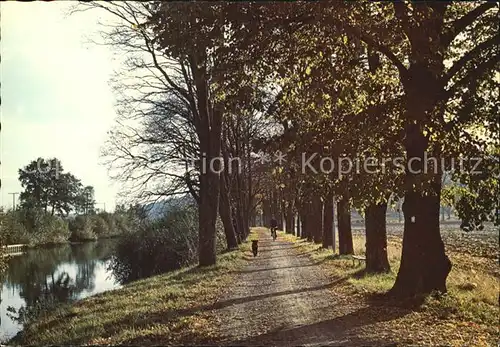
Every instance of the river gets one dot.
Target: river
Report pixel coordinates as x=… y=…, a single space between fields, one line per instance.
x=49 y=276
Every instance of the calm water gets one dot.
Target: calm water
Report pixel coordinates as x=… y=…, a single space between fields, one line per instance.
x=51 y=276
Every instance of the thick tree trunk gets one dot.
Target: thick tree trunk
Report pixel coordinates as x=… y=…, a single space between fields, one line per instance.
x=376 y=239
x=344 y=225
x=209 y=202
x=209 y=128
x=424 y=264
x=225 y=215
x=328 y=221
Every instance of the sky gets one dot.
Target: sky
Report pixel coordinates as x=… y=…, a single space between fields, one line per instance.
x=56 y=99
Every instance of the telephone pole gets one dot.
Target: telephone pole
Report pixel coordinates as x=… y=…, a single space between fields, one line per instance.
x=13 y=200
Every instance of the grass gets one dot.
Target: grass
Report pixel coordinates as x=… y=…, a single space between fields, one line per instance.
x=162 y=309
x=169 y=309
x=473 y=288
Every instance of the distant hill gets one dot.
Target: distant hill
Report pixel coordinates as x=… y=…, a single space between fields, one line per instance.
x=159 y=208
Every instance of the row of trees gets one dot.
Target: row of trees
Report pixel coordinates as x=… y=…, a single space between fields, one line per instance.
x=225 y=80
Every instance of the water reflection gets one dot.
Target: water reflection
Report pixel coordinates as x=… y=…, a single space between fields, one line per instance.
x=43 y=278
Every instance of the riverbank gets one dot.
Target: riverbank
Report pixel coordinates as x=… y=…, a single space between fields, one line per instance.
x=293 y=291
x=163 y=305
x=40 y=279
x=48 y=245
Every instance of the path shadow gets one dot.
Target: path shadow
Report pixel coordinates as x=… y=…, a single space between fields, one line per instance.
x=302 y=254
x=263 y=248
x=278 y=268
x=146 y=319
x=339 y=331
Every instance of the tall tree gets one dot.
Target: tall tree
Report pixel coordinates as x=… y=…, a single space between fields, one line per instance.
x=443 y=53
x=48 y=187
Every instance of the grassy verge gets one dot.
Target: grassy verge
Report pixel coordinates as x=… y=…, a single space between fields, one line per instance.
x=471 y=304
x=165 y=309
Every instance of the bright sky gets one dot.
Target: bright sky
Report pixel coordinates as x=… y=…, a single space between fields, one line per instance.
x=56 y=101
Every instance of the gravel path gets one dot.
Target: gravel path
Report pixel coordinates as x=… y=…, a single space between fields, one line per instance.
x=283 y=298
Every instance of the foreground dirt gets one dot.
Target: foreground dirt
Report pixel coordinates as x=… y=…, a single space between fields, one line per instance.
x=283 y=298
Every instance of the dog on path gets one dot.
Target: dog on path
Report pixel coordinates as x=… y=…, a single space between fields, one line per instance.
x=255 y=247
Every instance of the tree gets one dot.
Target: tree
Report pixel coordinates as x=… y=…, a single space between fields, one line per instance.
x=47 y=186
x=183 y=83
x=443 y=53
x=85 y=200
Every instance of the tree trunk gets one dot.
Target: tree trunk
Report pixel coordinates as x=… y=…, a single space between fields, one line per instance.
x=266 y=209
x=208 y=124
x=209 y=201
x=225 y=214
x=328 y=221
x=240 y=201
x=344 y=225
x=317 y=219
x=304 y=234
x=376 y=239
x=308 y=222
x=289 y=217
x=299 y=225
x=304 y=219
x=424 y=264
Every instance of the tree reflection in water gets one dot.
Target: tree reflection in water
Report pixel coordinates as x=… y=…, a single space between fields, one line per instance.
x=45 y=278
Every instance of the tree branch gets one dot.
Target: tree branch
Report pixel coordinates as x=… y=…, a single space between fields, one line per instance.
x=473 y=75
x=460 y=24
x=492 y=42
x=403 y=71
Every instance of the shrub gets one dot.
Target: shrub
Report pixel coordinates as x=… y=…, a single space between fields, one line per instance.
x=122 y=223
x=13 y=229
x=82 y=229
x=110 y=220
x=157 y=247
x=35 y=226
x=53 y=229
x=3 y=259
x=101 y=228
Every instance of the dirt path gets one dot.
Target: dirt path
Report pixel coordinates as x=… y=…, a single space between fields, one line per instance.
x=283 y=298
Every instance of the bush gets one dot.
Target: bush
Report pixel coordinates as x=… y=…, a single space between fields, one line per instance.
x=101 y=228
x=34 y=227
x=122 y=223
x=110 y=220
x=3 y=259
x=13 y=230
x=157 y=247
x=82 y=229
x=52 y=229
